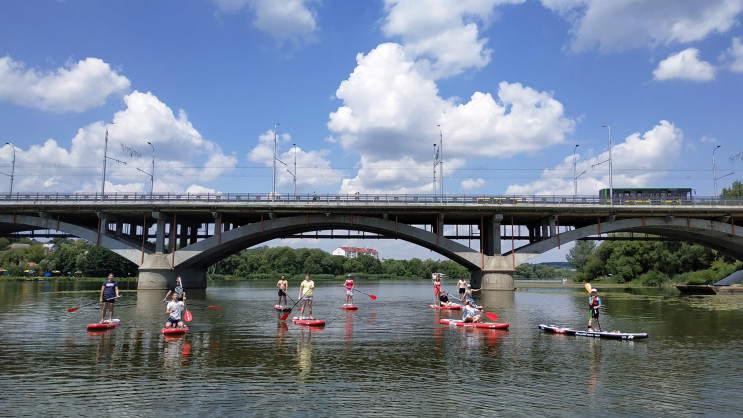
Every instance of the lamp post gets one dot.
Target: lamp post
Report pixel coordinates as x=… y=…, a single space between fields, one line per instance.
x=12 y=170
x=295 y=169
x=575 y=178
x=105 y=157
x=441 y=161
x=435 y=157
x=273 y=183
x=714 y=170
x=151 y=173
x=611 y=175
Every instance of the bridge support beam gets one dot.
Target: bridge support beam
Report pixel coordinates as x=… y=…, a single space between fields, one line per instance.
x=156 y=273
x=492 y=280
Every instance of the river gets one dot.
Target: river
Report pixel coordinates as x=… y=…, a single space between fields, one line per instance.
x=391 y=357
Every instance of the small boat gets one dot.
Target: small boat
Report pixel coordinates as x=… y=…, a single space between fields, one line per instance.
x=615 y=335
x=485 y=325
x=452 y=307
x=308 y=322
x=349 y=307
x=282 y=308
x=101 y=326
x=174 y=331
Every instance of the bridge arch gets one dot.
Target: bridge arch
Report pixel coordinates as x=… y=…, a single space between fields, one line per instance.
x=717 y=235
x=208 y=251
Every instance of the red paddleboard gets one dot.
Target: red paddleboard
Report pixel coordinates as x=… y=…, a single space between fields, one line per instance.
x=104 y=326
x=282 y=308
x=309 y=322
x=487 y=325
x=349 y=307
x=174 y=331
x=453 y=307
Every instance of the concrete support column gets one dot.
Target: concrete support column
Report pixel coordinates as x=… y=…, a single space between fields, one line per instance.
x=440 y=225
x=155 y=273
x=159 y=233
x=491 y=235
x=492 y=280
x=553 y=228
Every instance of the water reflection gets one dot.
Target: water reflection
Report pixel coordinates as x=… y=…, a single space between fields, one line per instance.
x=386 y=358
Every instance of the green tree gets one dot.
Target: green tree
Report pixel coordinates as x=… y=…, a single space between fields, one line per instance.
x=577 y=255
x=735 y=190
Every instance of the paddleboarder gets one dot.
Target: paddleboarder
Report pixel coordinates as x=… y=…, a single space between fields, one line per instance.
x=175 y=311
x=444 y=299
x=349 y=290
x=177 y=289
x=470 y=312
x=436 y=289
x=305 y=295
x=283 y=286
x=461 y=287
x=109 y=293
x=594 y=304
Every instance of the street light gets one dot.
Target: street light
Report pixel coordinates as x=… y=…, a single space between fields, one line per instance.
x=611 y=175
x=441 y=160
x=151 y=173
x=105 y=157
x=12 y=170
x=575 y=177
x=295 y=169
x=435 y=158
x=714 y=170
x=273 y=184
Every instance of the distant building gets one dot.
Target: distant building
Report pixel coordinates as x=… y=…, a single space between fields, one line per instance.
x=353 y=252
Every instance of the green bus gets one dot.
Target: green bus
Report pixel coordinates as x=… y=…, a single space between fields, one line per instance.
x=647 y=196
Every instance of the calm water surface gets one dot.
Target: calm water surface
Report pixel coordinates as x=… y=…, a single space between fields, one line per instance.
x=391 y=357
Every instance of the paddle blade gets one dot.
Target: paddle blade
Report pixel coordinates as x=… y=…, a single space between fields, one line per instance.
x=372 y=297
x=588 y=287
x=188 y=317
x=215 y=307
x=73 y=309
x=286 y=315
x=492 y=316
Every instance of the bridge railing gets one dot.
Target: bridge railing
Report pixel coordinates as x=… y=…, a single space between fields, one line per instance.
x=310 y=198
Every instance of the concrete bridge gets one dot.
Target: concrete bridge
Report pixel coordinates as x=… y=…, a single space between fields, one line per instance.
x=170 y=235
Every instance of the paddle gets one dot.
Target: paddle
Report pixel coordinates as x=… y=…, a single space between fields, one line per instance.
x=372 y=297
x=286 y=315
x=492 y=316
x=588 y=287
x=91 y=303
x=187 y=316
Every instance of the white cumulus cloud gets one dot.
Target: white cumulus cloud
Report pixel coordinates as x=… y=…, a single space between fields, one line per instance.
x=734 y=56
x=619 y=25
x=282 y=19
x=684 y=65
x=657 y=148
x=74 y=88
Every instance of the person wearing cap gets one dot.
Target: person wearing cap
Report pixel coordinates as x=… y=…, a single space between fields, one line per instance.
x=594 y=304
x=349 y=290
x=468 y=291
x=461 y=287
x=470 y=312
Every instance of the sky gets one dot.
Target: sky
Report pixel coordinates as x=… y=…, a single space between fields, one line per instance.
x=523 y=97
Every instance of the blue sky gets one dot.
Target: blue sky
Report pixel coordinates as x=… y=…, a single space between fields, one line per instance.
x=364 y=89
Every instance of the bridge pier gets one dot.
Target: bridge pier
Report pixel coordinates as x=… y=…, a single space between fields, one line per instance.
x=156 y=273
x=492 y=280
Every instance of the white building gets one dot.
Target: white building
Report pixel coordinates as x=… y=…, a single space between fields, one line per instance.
x=353 y=252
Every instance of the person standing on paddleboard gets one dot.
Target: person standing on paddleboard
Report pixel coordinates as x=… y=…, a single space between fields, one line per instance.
x=175 y=311
x=109 y=293
x=177 y=289
x=461 y=287
x=283 y=286
x=349 y=290
x=305 y=295
x=594 y=303
x=436 y=290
